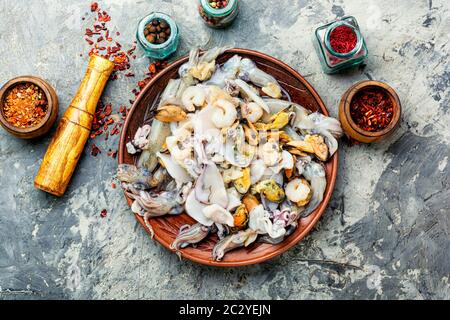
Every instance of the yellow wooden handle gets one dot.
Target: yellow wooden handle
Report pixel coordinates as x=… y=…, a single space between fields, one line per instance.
x=73 y=130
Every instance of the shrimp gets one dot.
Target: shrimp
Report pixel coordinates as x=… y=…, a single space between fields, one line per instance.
x=298 y=191
x=225 y=115
x=194 y=96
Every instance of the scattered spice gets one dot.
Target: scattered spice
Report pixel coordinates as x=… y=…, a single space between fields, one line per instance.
x=99 y=33
x=343 y=39
x=103 y=213
x=94 y=6
x=372 y=109
x=95 y=150
x=107 y=123
x=112 y=153
x=25 y=105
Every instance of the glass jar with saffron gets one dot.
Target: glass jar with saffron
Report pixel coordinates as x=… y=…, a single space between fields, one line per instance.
x=340 y=45
x=158 y=35
x=218 y=14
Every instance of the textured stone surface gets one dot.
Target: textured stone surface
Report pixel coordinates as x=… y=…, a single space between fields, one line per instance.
x=384 y=235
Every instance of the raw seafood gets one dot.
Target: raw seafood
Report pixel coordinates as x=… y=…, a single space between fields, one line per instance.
x=228 y=147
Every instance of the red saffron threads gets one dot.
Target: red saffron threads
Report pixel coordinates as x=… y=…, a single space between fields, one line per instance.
x=372 y=109
x=343 y=39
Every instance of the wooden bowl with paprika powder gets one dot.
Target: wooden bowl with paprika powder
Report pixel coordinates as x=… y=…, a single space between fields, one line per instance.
x=369 y=111
x=14 y=124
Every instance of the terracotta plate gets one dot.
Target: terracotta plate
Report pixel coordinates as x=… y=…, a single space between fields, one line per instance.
x=166 y=228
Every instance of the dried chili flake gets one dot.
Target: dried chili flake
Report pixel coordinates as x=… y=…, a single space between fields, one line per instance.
x=103 y=213
x=89 y=41
x=152 y=68
x=129 y=74
x=112 y=153
x=372 y=109
x=94 y=6
x=108 y=109
x=25 y=105
x=95 y=150
x=113 y=185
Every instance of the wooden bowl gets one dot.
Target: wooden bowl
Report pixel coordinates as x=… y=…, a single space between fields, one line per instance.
x=351 y=128
x=52 y=109
x=166 y=228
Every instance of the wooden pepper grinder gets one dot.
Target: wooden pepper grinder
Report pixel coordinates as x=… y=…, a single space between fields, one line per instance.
x=73 y=130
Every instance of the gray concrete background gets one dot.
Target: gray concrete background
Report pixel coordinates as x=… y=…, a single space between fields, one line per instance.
x=384 y=235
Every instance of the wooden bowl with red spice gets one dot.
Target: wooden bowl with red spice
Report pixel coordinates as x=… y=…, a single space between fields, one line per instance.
x=28 y=107
x=369 y=111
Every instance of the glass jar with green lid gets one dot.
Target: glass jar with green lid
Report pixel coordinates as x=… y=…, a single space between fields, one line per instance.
x=335 y=56
x=218 y=14
x=149 y=32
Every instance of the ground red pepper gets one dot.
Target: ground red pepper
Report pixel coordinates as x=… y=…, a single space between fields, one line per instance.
x=372 y=109
x=343 y=39
x=25 y=105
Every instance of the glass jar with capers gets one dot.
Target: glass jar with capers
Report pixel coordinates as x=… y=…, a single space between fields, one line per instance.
x=218 y=13
x=158 y=35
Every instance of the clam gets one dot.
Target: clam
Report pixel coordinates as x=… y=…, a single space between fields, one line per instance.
x=280 y=136
x=277 y=121
x=272 y=90
x=240 y=217
x=314 y=144
x=319 y=146
x=250 y=202
x=242 y=184
x=270 y=189
x=301 y=145
x=170 y=113
x=251 y=134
